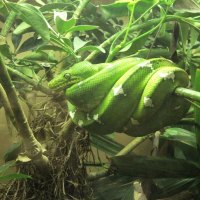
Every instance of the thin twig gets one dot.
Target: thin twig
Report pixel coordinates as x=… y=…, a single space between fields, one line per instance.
x=31 y=82
x=132 y=145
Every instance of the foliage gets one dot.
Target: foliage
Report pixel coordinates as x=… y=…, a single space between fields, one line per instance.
x=5 y=175
x=45 y=37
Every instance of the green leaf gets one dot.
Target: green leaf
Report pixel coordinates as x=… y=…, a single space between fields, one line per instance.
x=32 y=16
x=1 y=5
x=192 y=22
x=186 y=6
x=12 y=152
x=120 y=8
x=30 y=44
x=50 y=47
x=82 y=28
x=117 y=9
x=193 y=37
x=26 y=71
x=153 y=53
x=106 y=144
x=5 y=167
x=142 y=6
x=21 y=28
x=154 y=167
x=14 y=176
x=169 y=187
x=92 y=48
x=40 y=2
x=54 y=6
x=117 y=187
x=41 y=56
x=64 y=25
x=16 y=39
x=180 y=135
x=78 y=43
x=196 y=109
x=5 y=50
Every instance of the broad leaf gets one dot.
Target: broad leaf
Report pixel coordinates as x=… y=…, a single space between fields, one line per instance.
x=78 y=43
x=32 y=16
x=64 y=25
x=22 y=28
x=155 y=167
x=180 y=135
x=186 y=6
x=117 y=187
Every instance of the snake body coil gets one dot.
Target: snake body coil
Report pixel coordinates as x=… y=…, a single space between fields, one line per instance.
x=130 y=95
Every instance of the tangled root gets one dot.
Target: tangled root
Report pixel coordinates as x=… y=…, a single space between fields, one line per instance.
x=68 y=176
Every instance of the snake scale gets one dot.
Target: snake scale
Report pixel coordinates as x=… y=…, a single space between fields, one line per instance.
x=130 y=95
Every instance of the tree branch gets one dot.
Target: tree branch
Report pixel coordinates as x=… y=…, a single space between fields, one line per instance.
x=6 y=105
x=32 y=146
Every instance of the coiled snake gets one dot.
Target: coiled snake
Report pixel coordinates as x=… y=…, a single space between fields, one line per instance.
x=130 y=95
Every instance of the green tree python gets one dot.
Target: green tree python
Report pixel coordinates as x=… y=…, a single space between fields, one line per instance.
x=130 y=95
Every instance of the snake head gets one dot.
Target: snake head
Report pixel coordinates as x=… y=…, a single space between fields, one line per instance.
x=64 y=80
x=73 y=75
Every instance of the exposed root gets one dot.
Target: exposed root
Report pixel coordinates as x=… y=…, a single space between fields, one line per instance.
x=68 y=179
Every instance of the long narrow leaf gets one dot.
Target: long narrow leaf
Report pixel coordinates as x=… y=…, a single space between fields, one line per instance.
x=32 y=16
x=169 y=187
x=117 y=187
x=106 y=144
x=180 y=135
x=13 y=176
x=155 y=167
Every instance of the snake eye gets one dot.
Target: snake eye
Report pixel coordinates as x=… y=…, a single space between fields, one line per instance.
x=67 y=76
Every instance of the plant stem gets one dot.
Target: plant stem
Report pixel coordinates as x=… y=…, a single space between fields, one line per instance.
x=117 y=48
x=80 y=8
x=6 y=105
x=35 y=84
x=132 y=145
x=188 y=93
x=133 y=28
x=78 y=12
x=32 y=146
